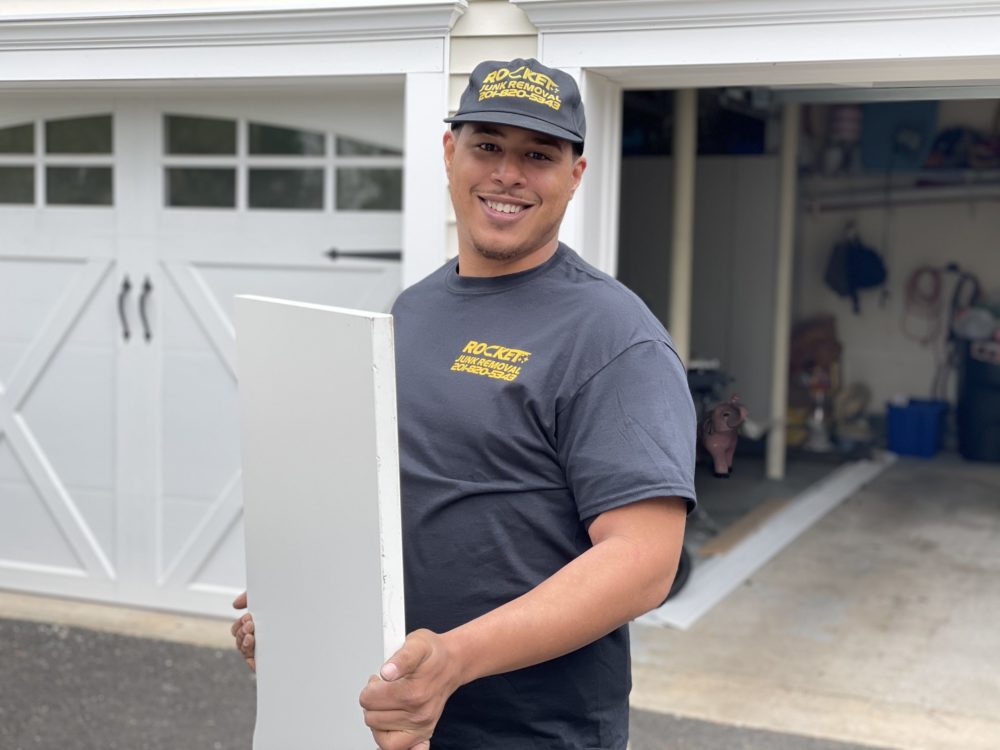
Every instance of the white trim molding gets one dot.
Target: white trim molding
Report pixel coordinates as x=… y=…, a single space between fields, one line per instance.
x=274 y=42
x=278 y=24
x=553 y=16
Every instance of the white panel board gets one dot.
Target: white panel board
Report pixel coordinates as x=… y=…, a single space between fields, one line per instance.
x=321 y=505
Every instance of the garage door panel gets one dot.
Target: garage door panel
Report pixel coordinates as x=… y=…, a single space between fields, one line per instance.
x=180 y=518
x=119 y=463
x=200 y=419
x=200 y=425
x=225 y=567
x=76 y=435
x=57 y=417
x=30 y=293
x=29 y=535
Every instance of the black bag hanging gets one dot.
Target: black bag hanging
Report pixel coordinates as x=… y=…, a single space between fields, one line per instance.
x=854 y=266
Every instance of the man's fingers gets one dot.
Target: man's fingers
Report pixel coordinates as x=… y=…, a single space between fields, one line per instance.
x=399 y=741
x=407 y=659
x=247 y=645
x=240 y=602
x=393 y=721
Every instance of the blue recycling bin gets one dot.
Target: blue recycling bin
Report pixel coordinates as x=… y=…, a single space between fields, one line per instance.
x=916 y=429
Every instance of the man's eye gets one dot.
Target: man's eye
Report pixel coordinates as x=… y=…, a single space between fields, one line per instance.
x=489 y=147
x=539 y=155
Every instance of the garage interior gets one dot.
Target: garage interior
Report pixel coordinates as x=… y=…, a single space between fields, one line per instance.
x=875 y=615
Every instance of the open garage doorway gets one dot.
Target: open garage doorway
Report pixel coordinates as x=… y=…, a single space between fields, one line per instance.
x=895 y=293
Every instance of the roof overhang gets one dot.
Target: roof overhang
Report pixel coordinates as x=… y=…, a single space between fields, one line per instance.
x=261 y=39
x=771 y=42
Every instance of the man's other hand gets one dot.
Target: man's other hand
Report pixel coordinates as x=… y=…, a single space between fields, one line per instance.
x=404 y=701
x=242 y=631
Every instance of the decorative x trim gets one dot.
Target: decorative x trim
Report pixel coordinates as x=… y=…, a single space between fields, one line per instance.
x=25 y=446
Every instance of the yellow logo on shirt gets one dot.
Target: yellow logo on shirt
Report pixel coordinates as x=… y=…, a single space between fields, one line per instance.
x=491 y=361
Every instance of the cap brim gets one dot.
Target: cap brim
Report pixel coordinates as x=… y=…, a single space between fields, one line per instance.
x=517 y=120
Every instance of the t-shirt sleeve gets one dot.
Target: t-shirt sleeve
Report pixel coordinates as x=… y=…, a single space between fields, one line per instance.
x=628 y=434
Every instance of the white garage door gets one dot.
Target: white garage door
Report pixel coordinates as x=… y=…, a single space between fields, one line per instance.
x=129 y=223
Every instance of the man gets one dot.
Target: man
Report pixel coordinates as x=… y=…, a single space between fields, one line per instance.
x=546 y=451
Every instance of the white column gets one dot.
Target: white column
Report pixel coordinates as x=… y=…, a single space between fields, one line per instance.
x=590 y=225
x=682 y=240
x=783 y=291
x=425 y=192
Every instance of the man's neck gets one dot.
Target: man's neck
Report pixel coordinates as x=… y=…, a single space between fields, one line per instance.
x=472 y=263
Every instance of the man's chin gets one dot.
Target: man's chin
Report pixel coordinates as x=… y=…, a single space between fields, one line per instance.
x=501 y=254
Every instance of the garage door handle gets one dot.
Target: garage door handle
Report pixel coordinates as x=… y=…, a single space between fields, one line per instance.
x=334 y=254
x=122 y=295
x=147 y=288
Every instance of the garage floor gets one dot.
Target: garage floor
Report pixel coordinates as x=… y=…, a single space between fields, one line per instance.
x=878 y=625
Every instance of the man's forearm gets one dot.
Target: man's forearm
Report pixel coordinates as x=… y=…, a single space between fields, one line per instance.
x=626 y=573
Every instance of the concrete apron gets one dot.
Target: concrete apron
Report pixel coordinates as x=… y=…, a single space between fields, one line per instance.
x=196 y=631
x=878 y=625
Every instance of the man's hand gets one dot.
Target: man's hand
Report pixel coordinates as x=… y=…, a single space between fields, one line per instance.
x=242 y=631
x=404 y=701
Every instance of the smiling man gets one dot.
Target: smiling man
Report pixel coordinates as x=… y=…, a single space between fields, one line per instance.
x=546 y=450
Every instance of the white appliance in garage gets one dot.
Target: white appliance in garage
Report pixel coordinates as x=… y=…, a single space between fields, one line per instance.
x=129 y=221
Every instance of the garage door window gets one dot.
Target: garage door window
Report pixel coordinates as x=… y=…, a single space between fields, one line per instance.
x=237 y=164
x=73 y=163
x=369 y=176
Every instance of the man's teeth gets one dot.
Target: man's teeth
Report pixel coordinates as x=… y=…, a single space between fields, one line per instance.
x=507 y=208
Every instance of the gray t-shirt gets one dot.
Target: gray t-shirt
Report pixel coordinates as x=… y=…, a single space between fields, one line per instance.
x=529 y=404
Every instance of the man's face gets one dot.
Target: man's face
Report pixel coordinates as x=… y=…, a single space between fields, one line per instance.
x=510 y=187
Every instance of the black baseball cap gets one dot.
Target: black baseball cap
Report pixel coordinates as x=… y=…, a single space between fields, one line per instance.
x=526 y=94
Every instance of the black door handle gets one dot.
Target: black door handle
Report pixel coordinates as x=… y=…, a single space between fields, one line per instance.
x=122 y=294
x=333 y=254
x=147 y=288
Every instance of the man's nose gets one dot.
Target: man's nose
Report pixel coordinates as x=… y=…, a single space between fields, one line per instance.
x=508 y=171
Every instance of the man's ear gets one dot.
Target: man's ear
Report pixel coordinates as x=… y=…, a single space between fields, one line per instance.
x=448 y=141
x=579 y=166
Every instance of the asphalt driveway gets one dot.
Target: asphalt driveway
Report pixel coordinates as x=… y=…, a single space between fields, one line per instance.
x=66 y=688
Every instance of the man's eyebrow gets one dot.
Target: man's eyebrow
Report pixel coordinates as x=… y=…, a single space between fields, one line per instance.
x=544 y=140
x=486 y=130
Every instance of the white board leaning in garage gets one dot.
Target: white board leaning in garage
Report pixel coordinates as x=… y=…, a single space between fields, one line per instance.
x=321 y=506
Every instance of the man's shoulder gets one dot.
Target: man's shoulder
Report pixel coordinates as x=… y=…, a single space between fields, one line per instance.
x=430 y=285
x=612 y=308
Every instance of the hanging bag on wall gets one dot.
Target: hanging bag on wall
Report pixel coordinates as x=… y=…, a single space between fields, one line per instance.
x=854 y=266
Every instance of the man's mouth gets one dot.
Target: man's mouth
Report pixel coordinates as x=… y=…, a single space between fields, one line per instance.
x=503 y=209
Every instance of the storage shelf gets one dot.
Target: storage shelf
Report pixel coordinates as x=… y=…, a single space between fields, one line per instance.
x=820 y=193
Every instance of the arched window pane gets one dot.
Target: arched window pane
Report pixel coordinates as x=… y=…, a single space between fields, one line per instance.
x=78 y=135
x=279 y=141
x=353 y=147
x=199 y=135
x=19 y=139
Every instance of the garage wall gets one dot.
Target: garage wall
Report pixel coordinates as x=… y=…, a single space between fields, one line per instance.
x=875 y=349
x=735 y=246
x=488 y=30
